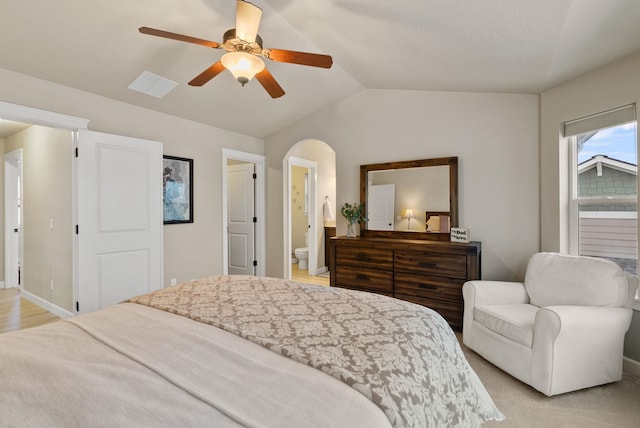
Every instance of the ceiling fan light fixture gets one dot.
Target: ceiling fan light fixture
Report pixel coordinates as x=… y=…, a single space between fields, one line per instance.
x=245 y=52
x=242 y=65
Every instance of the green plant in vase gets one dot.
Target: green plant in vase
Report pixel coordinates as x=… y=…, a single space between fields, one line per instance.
x=354 y=213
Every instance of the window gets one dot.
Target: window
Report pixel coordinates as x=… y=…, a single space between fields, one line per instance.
x=604 y=185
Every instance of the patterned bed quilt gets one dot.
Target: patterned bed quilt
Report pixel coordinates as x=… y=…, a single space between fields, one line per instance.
x=239 y=351
x=402 y=357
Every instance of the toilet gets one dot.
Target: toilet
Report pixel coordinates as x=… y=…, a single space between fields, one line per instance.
x=302 y=254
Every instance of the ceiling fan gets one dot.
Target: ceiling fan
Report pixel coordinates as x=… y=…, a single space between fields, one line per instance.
x=244 y=49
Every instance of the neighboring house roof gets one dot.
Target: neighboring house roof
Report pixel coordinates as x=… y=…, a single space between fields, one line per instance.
x=598 y=161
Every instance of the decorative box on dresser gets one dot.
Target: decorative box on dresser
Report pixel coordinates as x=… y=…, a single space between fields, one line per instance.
x=430 y=273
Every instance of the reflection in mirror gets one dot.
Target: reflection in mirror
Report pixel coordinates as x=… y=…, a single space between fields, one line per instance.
x=400 y=196
x=398 y=199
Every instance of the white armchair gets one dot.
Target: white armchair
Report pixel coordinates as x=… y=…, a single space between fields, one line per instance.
x=561 y=330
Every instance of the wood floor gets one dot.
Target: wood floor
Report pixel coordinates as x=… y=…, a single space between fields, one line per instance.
x=17 y=313
x=303 y=276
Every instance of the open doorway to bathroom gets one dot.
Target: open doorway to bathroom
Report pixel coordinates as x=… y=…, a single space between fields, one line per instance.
x=301 y=213
x=309 y=217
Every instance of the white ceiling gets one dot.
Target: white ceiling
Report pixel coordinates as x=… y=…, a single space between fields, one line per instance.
x=518 y=46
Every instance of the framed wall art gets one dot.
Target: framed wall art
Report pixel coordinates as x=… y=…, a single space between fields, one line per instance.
x=177 y=189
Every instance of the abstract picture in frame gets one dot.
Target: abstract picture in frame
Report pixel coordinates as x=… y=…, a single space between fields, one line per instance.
x=177 y=189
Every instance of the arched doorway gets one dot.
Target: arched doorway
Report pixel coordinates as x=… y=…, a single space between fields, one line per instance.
x=317 y=193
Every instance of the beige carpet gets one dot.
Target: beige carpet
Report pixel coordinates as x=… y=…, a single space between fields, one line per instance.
x=612 y=405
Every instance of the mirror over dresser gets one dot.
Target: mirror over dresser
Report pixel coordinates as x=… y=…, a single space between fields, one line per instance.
x=390 y=190
x=414 y=264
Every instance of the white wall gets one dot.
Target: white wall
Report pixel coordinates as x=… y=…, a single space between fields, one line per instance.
x=190 y=250
x=612 y=86
x=495 y=137
x=2 y=277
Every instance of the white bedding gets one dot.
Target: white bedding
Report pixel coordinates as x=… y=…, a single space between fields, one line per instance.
x=134 y=366
x=234 y=351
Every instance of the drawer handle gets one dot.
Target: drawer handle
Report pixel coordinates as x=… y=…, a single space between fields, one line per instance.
x=362 y=258
x=362 y=277
x=427 y=287
x=427 y=265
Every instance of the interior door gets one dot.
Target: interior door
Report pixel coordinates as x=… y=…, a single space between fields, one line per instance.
x=13 y=218
x=240 y=226
x=381 y=207
x=119 y=232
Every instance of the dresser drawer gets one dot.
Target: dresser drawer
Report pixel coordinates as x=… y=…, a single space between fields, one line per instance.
x=379 y=281
x=364 y=257
x=429 y=287
x=445 y=265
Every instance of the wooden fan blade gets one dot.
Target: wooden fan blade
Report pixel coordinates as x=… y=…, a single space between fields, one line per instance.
x=208 y=74
x=269 y=84
x=302 y=58
x=179 y=37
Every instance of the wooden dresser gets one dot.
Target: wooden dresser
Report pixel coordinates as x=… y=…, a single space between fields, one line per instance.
x=430 y=273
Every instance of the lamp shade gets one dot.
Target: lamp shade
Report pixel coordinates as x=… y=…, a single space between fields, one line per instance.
x=408 y=213
x=242 y=65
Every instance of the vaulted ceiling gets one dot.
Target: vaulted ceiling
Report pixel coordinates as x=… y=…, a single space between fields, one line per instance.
x=514 y=46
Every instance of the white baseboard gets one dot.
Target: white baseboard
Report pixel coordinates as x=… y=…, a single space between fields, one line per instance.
x=45 y=304
x=323 y=269
x=631 y=366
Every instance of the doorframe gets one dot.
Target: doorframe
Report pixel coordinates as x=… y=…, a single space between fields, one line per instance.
x=50 y=119
x=260 y=244
x=13 y=158
x=311 y=244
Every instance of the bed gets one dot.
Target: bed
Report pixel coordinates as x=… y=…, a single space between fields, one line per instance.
x=231 y=351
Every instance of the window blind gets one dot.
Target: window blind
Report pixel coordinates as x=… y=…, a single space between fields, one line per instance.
x=599 y=121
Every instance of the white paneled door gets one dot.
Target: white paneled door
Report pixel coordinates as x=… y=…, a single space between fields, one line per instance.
x=240 y=219
x=13 y=218
x=119 y=232
x=381 y=207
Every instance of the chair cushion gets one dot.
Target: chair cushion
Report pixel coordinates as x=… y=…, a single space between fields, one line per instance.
x=514 y=322
x=559 y=279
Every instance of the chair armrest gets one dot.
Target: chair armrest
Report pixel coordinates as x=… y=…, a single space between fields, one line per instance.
x=571 y=343
x=482 y=292
x=584 y=320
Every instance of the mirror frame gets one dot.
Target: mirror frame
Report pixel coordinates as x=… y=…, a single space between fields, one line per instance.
x=451 y=162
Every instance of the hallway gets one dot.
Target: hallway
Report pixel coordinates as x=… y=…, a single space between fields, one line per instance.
x=17 y=313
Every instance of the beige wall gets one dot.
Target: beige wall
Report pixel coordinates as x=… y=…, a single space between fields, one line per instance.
x=2 y=211
x=495 y=137
x=190 y=250
x=47 y=196
x=612 y=86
